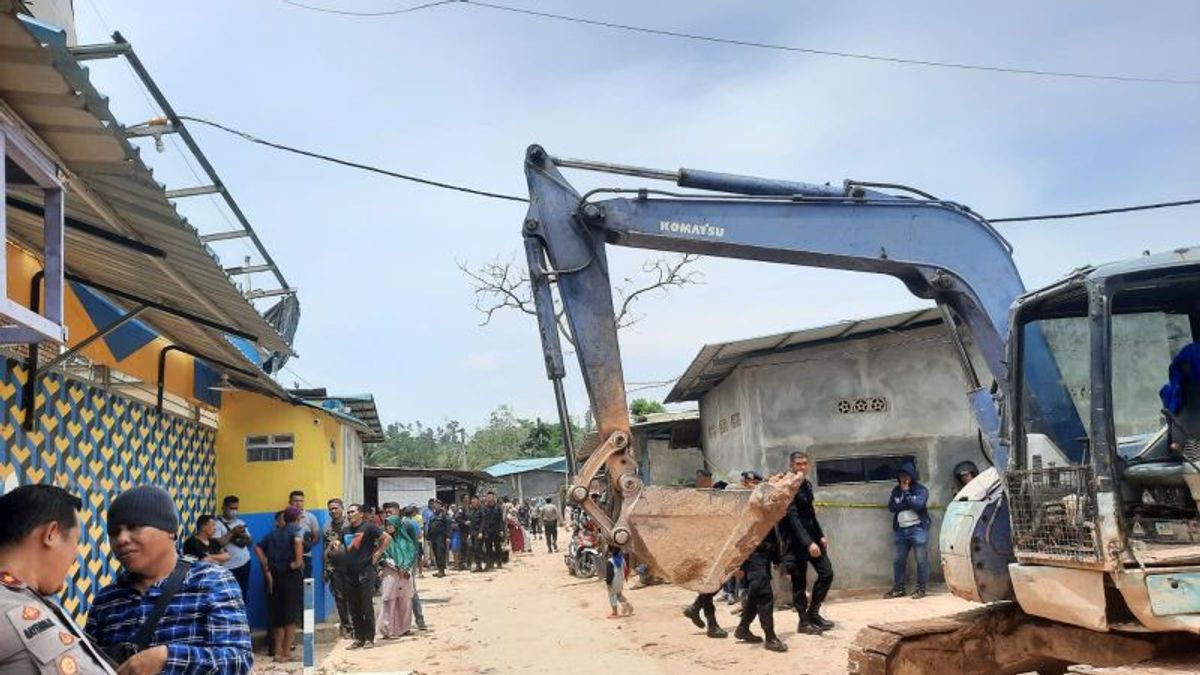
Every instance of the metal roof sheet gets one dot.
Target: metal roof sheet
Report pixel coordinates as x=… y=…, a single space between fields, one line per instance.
x=512 y=466
x=112 y=189
x=359 y=406
x=716 y=361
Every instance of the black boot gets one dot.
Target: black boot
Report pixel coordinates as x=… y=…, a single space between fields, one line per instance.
x=773 y=644
x=896 y=592
x=693 y=612
x=743 y=633
x=920 y=593
x=715 y=631
x=815 y=618
x=807 y=627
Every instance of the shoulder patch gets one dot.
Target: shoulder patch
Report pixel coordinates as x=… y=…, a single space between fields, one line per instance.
x=9 y=580
x=66 y=638
x=31 y=613
x=67 y=665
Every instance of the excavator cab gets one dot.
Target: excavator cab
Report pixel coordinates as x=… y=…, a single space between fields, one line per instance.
x=1104 y=494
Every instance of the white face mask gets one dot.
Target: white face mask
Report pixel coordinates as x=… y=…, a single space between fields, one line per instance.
x=232 y=514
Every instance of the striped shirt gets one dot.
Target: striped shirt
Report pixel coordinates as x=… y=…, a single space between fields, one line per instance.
x=204 y=627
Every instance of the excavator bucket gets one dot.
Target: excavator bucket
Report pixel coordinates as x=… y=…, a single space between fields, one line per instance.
x=697 y=538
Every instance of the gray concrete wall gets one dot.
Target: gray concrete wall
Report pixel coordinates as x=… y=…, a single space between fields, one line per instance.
x=789 y=401
x=671 y=466
x=530 y=484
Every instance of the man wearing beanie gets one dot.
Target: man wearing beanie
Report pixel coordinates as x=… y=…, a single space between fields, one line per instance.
x=202 y=628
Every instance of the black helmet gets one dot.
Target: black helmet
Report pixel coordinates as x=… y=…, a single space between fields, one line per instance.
x=963 y=468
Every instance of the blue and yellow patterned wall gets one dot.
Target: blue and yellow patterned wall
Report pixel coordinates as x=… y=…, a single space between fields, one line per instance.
x=97 y=444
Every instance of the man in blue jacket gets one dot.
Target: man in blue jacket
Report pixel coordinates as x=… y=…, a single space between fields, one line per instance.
x=910 y=531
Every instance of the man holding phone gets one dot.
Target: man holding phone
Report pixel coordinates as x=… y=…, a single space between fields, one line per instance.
x=233 y=535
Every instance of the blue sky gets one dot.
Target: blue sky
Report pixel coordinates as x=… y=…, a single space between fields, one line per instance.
x=456 y=93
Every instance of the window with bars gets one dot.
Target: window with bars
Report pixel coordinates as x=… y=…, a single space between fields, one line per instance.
x=270 y=448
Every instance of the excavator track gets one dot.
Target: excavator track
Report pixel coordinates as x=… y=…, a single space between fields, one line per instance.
x=997 y=640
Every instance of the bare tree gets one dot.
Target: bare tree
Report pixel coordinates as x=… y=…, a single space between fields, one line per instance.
x=501 y=285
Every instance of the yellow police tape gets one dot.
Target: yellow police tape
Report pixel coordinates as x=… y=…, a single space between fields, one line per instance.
x=863 y=505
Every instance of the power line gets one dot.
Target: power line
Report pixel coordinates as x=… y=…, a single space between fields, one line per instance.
x=387 y=12
x=1099 y=212
x=497 y=195
x=812 y=51
x=827 y=52
x=353 y=165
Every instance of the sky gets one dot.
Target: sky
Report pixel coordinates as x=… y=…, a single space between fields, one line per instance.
x=457 y=92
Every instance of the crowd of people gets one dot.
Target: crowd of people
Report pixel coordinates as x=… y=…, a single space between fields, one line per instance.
x=389 y=548
x=180 y=608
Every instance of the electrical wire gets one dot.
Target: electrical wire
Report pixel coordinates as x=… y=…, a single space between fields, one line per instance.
x=1098 y=212
x=832 y=53
x=497 y=195
x=353 y=165
x=766 y=45
x=386 y=12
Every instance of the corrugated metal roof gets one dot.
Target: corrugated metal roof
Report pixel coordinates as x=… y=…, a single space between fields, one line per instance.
x=360 y=406
x=525 y=465
x=716 y=361
x=112 y=189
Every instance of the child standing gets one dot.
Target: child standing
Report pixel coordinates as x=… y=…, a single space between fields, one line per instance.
x=616 y=572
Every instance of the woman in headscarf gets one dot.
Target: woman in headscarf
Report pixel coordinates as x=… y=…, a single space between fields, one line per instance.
x=396 y=569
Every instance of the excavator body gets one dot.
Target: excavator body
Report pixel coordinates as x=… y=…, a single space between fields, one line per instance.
x=1087 y=522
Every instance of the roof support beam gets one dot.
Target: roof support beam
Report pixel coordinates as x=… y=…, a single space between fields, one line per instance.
x=267 y=293
x=177 y=125
x=222 y=236
x=35 y=296
x=29 y=399
x=162 y=369
x=89 y=229
x=179 y=193
x=101 y=51
x=247 y=269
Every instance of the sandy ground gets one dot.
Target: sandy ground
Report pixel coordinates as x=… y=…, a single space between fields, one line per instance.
x=533 y=618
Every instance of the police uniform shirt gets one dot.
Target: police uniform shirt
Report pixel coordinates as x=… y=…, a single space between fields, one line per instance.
x=38 y=638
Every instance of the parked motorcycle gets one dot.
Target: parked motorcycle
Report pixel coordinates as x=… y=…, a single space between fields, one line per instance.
x=583 y=554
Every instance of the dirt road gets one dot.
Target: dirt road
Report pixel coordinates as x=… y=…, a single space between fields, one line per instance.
x=533 y=618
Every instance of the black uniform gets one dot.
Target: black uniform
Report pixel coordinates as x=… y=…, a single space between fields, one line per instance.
x=493 y=534
x=760 y=600
x=462 y=518
x=477 y=537
x=803 y=530
x=438 y=533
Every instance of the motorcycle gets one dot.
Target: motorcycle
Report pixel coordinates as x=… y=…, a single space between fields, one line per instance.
x=583 y=554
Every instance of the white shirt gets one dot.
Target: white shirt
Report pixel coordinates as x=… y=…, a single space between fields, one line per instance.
x=238 y=555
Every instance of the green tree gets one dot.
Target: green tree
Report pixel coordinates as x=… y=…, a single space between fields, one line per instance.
x=416 y=445
x=642 y=407
x=504 y=437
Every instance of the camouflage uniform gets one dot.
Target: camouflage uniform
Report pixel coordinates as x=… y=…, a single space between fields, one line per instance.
x=38 y=638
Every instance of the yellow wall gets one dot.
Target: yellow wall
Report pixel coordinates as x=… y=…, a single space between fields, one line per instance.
x=142 y=364
x=263 y=487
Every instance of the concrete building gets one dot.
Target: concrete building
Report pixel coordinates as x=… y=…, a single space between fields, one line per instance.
x=529 y=478
x=859 y=397
x=668 y=447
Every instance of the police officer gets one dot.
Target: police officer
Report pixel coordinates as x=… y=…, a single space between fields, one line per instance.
x=807 y=545
x=760 y=600
x=39 y=540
